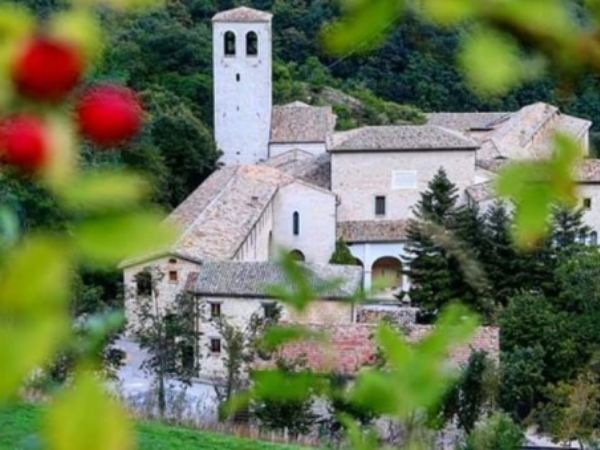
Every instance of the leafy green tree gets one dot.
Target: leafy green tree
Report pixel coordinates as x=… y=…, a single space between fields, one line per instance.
x=472 y=394
x=497 y=432
x=166 y=332
x=573 y=410
x=342 y=254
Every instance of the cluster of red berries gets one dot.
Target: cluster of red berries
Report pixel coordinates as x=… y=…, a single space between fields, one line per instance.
x=47 y=70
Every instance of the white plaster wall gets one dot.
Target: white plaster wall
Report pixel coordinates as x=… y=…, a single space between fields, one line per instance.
x=167 y=290
x=238 y=311
x=257 y=246
x=357 y=177
x=242 y=108
x=317 y=210
x=591 y=217
x=369 y=252
x=314 y=148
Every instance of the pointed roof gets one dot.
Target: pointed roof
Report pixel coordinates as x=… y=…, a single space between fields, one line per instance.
x=242 y=14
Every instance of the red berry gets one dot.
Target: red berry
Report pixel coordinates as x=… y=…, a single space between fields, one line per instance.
x=47 y=69
x=109 y=115
x=24 y=143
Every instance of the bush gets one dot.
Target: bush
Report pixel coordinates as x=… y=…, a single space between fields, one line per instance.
x=497 y=432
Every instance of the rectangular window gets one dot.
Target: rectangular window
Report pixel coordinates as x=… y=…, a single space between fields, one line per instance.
x=143 y=282
x=269 y=310
x=215 y=310
x=404 y=179
x=587 y=203
x=173 y=276
x=215 y=345
x=380 y=205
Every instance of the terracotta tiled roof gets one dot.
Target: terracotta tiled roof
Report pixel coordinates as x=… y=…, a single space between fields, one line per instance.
x=402 y=137
x=242 y=14
x=372 y=230
x=481 y=192
x=250 y=279
x=351 y=347
x=528 y=132
x=299 y=122
x=472 y=121
x=217 y=217
x=304 y=166
x=588 y=171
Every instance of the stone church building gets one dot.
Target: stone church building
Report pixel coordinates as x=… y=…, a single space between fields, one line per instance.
x=290 y=181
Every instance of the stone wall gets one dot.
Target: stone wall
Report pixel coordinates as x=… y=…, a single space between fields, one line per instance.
x=317 y=219
x=357 y=177
x=167 y=288
x=242 y=93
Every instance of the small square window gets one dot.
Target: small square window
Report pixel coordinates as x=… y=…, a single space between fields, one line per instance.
x=173 y=276
x=215 y=345
x=269 y=310
x=587 y=203
x=380 y=205
x=215 y=310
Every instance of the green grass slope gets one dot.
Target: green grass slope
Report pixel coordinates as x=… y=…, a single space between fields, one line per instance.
x=18 y=425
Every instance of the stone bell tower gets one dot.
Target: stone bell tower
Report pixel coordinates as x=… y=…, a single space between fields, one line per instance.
x=242 y=78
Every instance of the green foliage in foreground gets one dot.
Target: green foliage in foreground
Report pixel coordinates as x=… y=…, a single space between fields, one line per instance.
x=19 y=423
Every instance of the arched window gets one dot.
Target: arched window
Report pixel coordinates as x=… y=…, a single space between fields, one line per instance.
x=297 y=255
x=229 y=43
x=296 y=223
x=251 y=44
x=594 y=238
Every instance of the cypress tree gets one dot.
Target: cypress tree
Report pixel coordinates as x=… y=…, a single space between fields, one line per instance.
x=568 y=228
x=436 y=274
x=342 y=254
x=503 y=264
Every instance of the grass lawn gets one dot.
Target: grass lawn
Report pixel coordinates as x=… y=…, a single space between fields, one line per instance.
x=18 y=425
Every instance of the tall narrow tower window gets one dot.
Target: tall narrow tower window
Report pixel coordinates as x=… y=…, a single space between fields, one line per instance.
x=229 y=43
x=251 y=44
x=296 y=223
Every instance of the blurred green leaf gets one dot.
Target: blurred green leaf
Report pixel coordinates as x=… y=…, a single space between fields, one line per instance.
x=359 y=439
x=79 y=27
x=416 y=375
x=34 y=289
x=301 y=287
x=491 y=62
x=109 y=239
x=25 y=347
x=104 y=190
x=278 y=385
x=15 y=22
x=35 y=279
x=363 y=27
x=448 y=12
x=534 y=187
x=85 y=418
x=121 y=4
x=275 y=336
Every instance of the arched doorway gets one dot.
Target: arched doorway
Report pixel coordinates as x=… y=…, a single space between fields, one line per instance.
x=387 y=270
x=297 y=255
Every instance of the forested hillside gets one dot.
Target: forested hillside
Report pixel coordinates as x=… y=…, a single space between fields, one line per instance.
x=166 y=55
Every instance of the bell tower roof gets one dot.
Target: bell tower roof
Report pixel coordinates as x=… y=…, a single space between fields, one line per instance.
x=242 y=14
